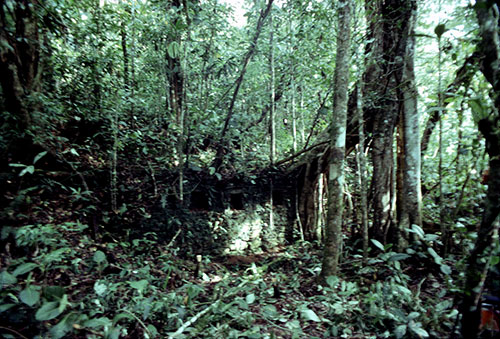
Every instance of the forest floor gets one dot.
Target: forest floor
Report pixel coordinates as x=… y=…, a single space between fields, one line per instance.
x=57 y=281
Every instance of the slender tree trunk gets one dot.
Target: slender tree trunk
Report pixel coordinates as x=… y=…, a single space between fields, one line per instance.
x=333 y=231
x=292 y=81
x=302 y=120
x=294 y=114
x=442 y=215
x=411 y=205
x=272 y=118
x=246 y=60
x=362 y=172
x=123 y=33
x=319 y=219
x=272 y=115
x=176 y=95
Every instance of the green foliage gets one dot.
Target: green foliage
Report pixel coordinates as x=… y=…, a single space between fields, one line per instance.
x=141 y=288
x=96 y=103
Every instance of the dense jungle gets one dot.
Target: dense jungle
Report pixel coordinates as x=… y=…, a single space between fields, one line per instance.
x=249 y=169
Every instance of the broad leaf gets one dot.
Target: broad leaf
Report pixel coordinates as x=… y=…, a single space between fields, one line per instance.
x=39 y=156
x=30 y=296
x=308 y=314
x=99 y=257
x=440 y=30
x=24 y=268
x=98 y=322
x=7 y=279
x=399 y=256
x=48 y=311
x=418 y=330
x=437 y=258
x=400 y=331
x=445 y=269
x=28 y=169
x=250 y=298
x=139 y=285
x=378 y=244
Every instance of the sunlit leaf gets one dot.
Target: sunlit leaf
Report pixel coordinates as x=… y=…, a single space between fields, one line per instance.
x=400 y=331
x=308 y=314
x=139 y=285
x=100 y=288
x=99 y=257
x=28 y=169
x=250 y=298
x=437 y=257
x=39 y=156
x=445 y=269
x=378 y=244
x=418 y=330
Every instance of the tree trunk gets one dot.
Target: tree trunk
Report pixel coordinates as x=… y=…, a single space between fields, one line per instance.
x=246 y=60
x=333 y=230
x=272 y=122
x=411 y=204
x=388 y=34
x=19 y=59
x=477 y=263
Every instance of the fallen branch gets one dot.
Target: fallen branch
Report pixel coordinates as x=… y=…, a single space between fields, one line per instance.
x=293 y=156
x=193 y=320
x=13 y=331
x=173 y=239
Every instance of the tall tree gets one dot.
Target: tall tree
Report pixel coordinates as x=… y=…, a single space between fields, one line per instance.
x=409 y=201
x=388 y=33
x=477 y=264
x=272 y=112
x=362 y=172
x=333 y=231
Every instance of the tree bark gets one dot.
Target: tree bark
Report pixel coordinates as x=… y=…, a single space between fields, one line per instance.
x=19 y=59
x=411 y=204
x=272 y=118
x=333 y=230
x=388 y=34
x=477 y=263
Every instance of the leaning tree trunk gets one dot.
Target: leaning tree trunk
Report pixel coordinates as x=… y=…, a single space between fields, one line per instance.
x=333 y=230
x=219 y=157
x=478 y=261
